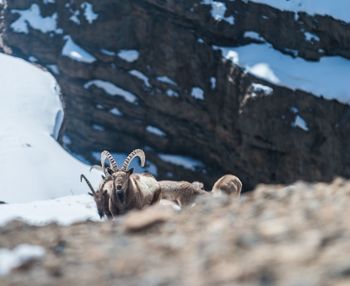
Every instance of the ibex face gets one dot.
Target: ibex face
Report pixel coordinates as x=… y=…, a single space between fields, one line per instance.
x=121 y=183
x=100 y=197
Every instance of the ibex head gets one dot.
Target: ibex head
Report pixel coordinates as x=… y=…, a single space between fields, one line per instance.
x=100 y=196
x=121 y=175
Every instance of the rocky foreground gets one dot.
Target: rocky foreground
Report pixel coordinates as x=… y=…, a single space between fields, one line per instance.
x=295 y=235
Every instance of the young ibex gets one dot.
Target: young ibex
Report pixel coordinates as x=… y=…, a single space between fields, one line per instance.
x=126 y=190
x=228 y=184
x=100 y=196
x=181 y=192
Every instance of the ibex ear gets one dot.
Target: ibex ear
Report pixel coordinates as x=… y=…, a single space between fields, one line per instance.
x=131 y=171
x=91 y=194
x=109 y=171
x=103 y=177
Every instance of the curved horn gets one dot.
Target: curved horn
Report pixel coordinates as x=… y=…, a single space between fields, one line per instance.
x=88 y=183
x=112 y=163
x=136 y=153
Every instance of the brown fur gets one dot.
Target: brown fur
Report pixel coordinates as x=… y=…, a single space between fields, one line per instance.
x=228 y=184
x=136 y=192
x=181 y=192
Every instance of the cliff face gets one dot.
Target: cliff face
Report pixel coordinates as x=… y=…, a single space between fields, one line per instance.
x=148 y=74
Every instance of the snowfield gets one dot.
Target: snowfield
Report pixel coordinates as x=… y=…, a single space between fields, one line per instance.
x=65 y=211
x=33 y=165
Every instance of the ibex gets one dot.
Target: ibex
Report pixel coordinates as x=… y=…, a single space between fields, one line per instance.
x=181 y=192
x=100 y=196
x=126 y=190
x=228 y=184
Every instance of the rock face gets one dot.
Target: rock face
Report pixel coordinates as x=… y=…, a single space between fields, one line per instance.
x=144 y=73
x=295 y=235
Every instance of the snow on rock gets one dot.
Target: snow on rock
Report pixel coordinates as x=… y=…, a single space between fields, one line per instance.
x=228 y=54
x=140 y=76
x=167 y=80
x=154 y=130
x=218 y=10
x=116 y=111
x=32 y=17
x=300 y=123
x=258 y=88
x=89 y=13
x=64 y=210
x=329 y=77
x=75 y=16
x=197 y=93
x=29 y=116
x=54 y=69
x=75 y=52
x=337 y=9
x=213 y=83
x=253 y=35
x=129 y=55
x=183 y=161
x=21 y=254
x=311 y=37
x=98 y=127
x=112 y=89
x=108 y=52
x=172 y=93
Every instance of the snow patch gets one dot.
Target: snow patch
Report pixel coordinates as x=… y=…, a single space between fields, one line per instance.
x=258 y=88
x=116 y=111
x=197 y=93
x=337 y=9
x=129 y=55
x=64 y=210
x=167 y=80
x=54 y=69
x=253 y=35
x=172 y=93
x=75 y=52
x=75 y=17
x=213 y=83
x=141 y=76
x=32 y=17
x=218 y=10
x=89 y=13
x=108 y=52
x=111 y=89
x=183 y=161
x=311 y=37
x=21 y=254
x=265 y=62
x=156 y=131
x=300 y=123
x=228 y=54
x=98 y=127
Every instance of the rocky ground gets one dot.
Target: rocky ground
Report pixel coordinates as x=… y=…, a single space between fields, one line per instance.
x=295 y=235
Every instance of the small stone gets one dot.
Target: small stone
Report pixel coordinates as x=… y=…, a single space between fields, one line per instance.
x=141 y=220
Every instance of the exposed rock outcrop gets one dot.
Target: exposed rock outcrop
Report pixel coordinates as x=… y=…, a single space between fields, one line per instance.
x=178 y=95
